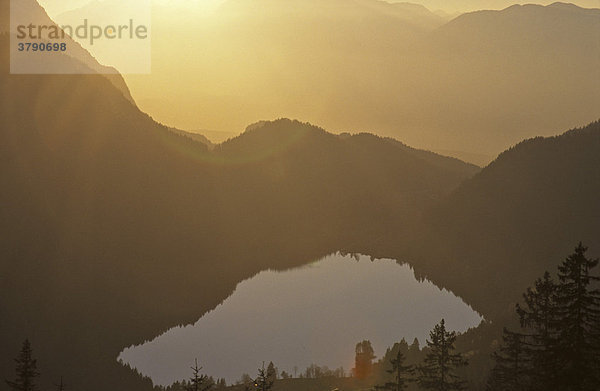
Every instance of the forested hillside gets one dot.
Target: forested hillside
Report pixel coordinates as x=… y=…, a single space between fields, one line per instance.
x=504 y=227
x=112 y=222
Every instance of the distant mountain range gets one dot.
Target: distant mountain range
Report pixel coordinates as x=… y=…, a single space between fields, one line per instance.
x=478 y=83
x=470 y=5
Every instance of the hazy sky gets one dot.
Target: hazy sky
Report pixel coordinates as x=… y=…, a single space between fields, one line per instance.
x=470 y=5
x=57 y=6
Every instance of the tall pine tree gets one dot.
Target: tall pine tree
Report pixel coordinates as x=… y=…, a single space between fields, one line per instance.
x=272 y=371
x=560 y=344
x=512 y=368
x=264 y=382
x=199 y=382
x=438 y=372
x=578 y=347
x=539 y=319
x=26 y=370
x=402 y=374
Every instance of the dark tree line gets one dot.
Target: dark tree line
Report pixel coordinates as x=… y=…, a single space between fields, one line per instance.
x=438 y=369
x=402 y=374
x=558 y=345
x=265 y=379
x=314 y=371
x=438 y=372
x=199 y=382
x=26 y=372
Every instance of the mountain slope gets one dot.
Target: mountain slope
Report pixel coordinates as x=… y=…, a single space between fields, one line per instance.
x=521 y=72
x=80 y=60
x=115 y=228
x=479 y=83
x=277 y=58
x=518 y=217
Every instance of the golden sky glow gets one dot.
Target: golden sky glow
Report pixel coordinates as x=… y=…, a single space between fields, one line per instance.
x=363 y=65
x=58 y=6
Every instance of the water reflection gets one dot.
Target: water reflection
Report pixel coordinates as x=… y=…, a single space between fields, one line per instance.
x=313 y=314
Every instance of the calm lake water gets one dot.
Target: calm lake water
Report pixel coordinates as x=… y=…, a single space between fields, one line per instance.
x=313 y=314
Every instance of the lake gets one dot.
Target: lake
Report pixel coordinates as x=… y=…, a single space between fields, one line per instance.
x=312 y=314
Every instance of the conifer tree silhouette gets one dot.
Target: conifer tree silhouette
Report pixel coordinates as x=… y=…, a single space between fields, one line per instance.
x=199 y=382
x=559 y=348
x=578 y=343
x=272 y=371
x=539 y=319
x=512 y=368
x=438 y=372
x=402 y=374
x=26 y=370
x=263 y=381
